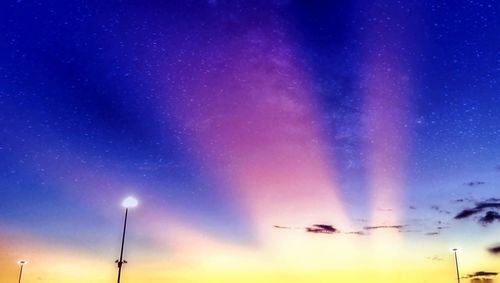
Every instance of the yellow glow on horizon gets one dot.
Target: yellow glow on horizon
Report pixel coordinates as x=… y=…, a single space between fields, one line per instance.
x=286 y=256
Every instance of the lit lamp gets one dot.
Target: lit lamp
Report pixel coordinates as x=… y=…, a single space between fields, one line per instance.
x=129 y=202
x=21 y=263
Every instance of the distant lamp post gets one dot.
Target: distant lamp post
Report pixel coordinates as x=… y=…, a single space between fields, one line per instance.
x=21 y=263
x=455 y=250
x=129 y=202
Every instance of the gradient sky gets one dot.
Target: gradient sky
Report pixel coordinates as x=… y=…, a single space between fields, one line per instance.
x=266 y=141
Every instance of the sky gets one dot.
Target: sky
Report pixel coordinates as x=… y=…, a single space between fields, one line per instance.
x=266 y=141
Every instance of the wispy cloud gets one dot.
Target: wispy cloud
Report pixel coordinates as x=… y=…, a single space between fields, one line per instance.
x=435 y=258
x=398 y=227
x=384 y=209
x=464 y=200
x=441 y=225
x=439 y=209
x=482 y=274
x=329 y=229
x=360 y=233
x=474 y=183
x=282 y=227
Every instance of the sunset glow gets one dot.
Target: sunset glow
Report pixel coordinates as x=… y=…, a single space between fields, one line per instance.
x=249 y=141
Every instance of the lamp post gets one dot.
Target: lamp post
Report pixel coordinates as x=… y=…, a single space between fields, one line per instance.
x=21 y=263
x=129 y=202
x=456 y=263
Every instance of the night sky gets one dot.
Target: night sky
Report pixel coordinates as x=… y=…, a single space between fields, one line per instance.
x=266 y=141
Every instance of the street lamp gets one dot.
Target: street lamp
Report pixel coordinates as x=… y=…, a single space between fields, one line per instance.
x=456 y=263
x=129 y=202
x=21 y=263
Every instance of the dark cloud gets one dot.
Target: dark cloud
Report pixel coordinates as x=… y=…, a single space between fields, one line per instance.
x=489 y=217
x=399 y=227
x=481 y=274
x=432 y=233
x=322 y=228
x=412 y=207
x=494 y=250
x=466 y=213
x=490 y=203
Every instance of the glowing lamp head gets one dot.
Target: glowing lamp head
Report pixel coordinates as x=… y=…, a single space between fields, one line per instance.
x=129 y=202
x=22 y=262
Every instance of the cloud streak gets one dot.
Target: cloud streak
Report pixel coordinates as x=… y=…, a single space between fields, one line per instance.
x=281 y=227
x=398 y=227
x=322 y=228
x=481 y=274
